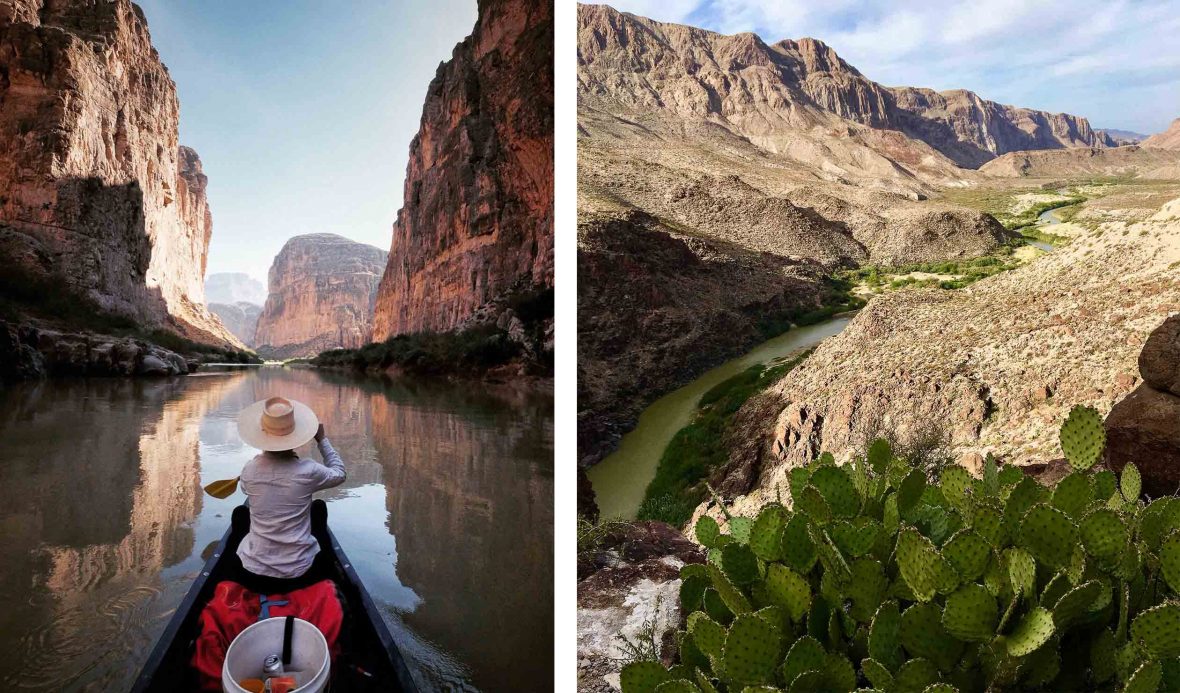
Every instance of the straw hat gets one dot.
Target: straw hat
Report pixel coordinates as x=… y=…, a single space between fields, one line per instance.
x=277 y=424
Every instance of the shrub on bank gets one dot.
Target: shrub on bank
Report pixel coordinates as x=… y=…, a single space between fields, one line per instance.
x=699 y=448
x=879 y=577
x=473 y=349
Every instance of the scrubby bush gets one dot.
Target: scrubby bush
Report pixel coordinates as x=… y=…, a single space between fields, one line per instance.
x=879 y=578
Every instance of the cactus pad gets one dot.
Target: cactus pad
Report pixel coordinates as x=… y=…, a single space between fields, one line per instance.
x=968 y=553
x=989 y=524
x=734 y=600
x=839 y=675
x=1105 y=484
x=855 y=539
x=880 y=455
x=1034 y=630
x=692 y=591
x=1048 y=535
x=1146 y=678
x=751 y=650
x=707 y=635
x=677 y=686
x=837 y=489
x=1157 y=630
x=940 y=688
x=833 y=561
x=806 y=654
x=877 y=674
x=866 y=589
x=786 y=588
x=971 y=614
x=922 y=567
x=1170 y=561
x=707 y=531
x=884 y=638
x=909 y=493
x=1022 y=571
x=1130 y=483
x=739 y=529
x=1156 y=522
x=1104 y=536
x=767 y=532
x=1074 y=494
x=797 y=548
x=642 y=677
x=1082 y=437
x=922 y=635
x=955 y=483
x=740 y=564
x=916 y=675
x=1076 y=603
x=1102 y=649
x=812 y=504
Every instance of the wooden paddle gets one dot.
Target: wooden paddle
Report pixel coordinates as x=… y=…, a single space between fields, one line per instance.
x=224 y=488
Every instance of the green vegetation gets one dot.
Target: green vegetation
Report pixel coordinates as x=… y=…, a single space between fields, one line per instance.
x=473 y=349
x=699 y=448
x=23 y=295
x=1030 y=216
x=964 y=272
x=838 y=299
x=882 y=578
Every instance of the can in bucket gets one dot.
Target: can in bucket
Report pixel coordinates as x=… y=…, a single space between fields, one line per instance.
x=273 y=665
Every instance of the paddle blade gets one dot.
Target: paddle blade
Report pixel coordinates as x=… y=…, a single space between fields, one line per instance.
x=224 y=488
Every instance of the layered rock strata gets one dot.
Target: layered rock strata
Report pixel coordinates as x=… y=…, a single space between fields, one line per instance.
x=1168 y=139
x=1131 y=161
x=323 y=288
x=475 y=233
x=98 y=195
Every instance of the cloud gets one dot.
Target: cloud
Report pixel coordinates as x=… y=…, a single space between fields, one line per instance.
x=1105 y=60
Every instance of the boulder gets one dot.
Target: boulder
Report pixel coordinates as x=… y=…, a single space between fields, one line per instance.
x=1144 y=428
x=1159 y=362
x=154 y=365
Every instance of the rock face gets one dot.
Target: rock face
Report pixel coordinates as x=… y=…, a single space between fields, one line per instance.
x=239 y=318
x=234 y=287
x=656 y=307
x=996 y=367
x=28 y=352
x=800 y=98
x=1142 y=429
x=322 y=291
x=476 y=228
x=98 y=195
x=1168 y=139
x=1134 y=160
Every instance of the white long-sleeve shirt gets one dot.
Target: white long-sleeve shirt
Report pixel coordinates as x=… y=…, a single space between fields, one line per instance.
x=280 y=486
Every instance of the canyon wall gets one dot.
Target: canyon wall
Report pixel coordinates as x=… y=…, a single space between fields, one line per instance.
x=323 y=288
x=98 y=195
x=475 y=231
x=1168 y=139
x=240 y=318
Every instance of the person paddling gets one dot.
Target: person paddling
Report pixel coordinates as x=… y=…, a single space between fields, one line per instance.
x=280 y=553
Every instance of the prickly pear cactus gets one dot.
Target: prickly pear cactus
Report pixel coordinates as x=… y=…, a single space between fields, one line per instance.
x=872 y=574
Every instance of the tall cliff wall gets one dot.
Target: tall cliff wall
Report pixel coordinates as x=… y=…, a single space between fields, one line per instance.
x=323 y=288
x=95 y=191
x=476 y=226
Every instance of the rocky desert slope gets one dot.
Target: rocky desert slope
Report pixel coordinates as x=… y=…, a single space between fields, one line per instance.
x=323 y=288
x=998 y=364
x=1168 y=139
x=1138 y=161
x=98 y=196
x=475 y=233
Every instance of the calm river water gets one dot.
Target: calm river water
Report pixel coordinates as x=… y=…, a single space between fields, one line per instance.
x=447 y=514
x=620 y=480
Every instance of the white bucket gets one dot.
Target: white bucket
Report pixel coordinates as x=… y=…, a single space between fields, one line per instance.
x=248 y=652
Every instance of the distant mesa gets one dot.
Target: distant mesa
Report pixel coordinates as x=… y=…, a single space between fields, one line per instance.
x=1168 y=139
x=1122 y=137
x=322 y=291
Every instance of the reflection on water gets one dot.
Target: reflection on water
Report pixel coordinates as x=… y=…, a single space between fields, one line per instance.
x=447 y=514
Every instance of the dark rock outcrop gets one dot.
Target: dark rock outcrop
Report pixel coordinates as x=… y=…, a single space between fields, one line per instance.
x=99 y=198
x=475 y=232
x=29 y=352
x=322 y=291
x=1144 y=428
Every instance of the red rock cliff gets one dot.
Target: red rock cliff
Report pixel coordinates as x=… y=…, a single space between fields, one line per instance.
x=322 y=291
x=95 y=190
x=476 y=226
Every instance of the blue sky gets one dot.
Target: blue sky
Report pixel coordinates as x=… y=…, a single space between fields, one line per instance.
x=302 y=112
x=1117 y=63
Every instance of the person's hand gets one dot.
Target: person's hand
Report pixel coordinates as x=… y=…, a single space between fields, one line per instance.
x=319 y=434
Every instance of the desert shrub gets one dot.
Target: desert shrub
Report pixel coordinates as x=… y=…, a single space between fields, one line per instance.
x=881 y=578
x=474 y=349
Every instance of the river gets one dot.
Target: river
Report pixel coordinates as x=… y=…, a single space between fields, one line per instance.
x=447 y=514
x=620 y=480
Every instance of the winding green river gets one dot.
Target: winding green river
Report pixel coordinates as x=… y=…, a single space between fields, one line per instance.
x=620 y=480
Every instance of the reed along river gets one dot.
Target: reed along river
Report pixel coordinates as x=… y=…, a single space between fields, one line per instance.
x=447 y=514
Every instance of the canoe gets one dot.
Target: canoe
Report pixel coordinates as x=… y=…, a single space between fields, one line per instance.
x=369 y=659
